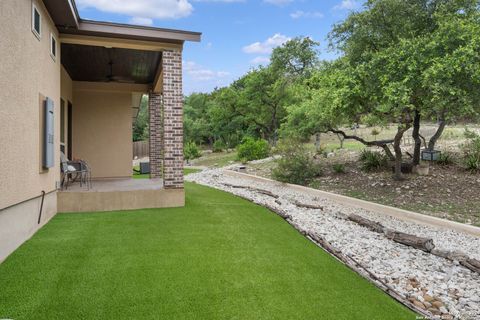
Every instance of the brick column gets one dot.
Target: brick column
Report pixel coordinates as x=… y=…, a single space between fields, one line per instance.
x=155 y=110
x=173 y=119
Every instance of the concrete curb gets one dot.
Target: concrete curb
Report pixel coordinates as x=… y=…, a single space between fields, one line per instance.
x=401 y=214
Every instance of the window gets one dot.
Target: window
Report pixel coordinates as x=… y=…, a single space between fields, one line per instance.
x=62 y=121
x=36 y=22
x=53 y=47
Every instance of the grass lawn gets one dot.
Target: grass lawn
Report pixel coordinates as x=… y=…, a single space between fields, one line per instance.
x=215 y=159
x=137 y=175
x=219 y=257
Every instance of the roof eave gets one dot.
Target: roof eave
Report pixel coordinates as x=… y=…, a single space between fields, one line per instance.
x=67 y=19
x=140 y=32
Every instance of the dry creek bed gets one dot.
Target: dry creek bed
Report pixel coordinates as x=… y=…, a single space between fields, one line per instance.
x=443 y=288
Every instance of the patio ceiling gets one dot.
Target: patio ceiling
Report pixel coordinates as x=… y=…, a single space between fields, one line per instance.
x=103 y=64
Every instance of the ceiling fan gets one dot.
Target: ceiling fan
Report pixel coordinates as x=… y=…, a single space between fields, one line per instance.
x=110 y=77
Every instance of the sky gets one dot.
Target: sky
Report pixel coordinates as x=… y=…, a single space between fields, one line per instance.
x=237 y=35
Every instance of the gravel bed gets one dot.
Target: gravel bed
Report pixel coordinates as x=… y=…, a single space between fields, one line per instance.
x=444 y=288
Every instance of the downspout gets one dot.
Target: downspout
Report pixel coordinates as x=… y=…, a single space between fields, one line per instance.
x=41 y=207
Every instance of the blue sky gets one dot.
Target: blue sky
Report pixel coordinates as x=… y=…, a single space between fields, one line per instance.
x=237 y=34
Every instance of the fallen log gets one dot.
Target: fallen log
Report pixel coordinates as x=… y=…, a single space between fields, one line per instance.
x=280 y=212
x=369 y=224
x=308 y=206
x=472 y=264
x=262 y=191
x=327 y=246
x=425 y=244
x=450 y=255
x=265 y=192
x=234 y=186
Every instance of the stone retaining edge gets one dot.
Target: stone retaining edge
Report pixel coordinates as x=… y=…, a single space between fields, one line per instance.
x=401 y=214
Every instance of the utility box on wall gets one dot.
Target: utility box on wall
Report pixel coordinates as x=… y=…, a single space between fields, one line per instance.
x=48 y=137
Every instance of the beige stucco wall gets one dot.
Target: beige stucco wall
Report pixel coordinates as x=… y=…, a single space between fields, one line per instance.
x=124 y=200
x=66 y=93
x=66 y=86
x=18 y=223
x=102 y=127
x=26 y=71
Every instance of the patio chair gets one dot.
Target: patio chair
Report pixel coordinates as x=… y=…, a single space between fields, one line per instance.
x=74 y=171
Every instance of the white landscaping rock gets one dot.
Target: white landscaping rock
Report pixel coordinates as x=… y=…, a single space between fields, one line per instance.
x=456 y=287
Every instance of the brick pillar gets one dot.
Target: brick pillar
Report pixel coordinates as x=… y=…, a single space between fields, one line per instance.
x=173 y=119
x=155 y=110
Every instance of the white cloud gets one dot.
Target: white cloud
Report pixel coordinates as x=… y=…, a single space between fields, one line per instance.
x=278 y=2
x=266 y=46
x=141 y=21
x=347 y=5
x=309 y=14
x=142 y=9
x=199 y=73
x=260 y=60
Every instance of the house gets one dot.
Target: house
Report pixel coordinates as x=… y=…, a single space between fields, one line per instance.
x=75 y=85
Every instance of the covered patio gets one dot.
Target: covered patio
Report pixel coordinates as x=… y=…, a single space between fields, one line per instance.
x=106 y=69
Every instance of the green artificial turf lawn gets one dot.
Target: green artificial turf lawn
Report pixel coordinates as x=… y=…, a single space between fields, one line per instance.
x=137 y=175
x=219 y=257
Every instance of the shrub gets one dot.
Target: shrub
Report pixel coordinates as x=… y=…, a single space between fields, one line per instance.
x=218 y=146
x=191 y=151
x=471 y=151
x=445 y=159
x=251 y=149
x=295 y=164
x=372 y=160
x=472 y=162
x=375 y=132
x=339 y=168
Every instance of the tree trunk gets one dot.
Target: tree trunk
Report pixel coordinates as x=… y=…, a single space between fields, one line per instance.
x=388 y=152
x=317 y=142
x=341 y=139
x=437 y=135
x=398 y=151
x=416 y=138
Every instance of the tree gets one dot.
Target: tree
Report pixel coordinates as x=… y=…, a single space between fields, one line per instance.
x=406 y=45
x=197 y=127
x=296 y=58
x=255 y=104
x=391 y=69
x=140 y=126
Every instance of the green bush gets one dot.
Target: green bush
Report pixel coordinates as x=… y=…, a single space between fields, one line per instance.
x=472 y=162
x=295 y=164
x=218 y=146
x=471 y=151
x=251 y=149
x=191 y=151
x=372 y=160
x=445 y=159
x=339 y=168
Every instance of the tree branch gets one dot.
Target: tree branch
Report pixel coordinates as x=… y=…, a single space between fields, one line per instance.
x=374 y=143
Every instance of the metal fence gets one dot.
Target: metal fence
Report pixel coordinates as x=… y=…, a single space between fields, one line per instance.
x=140 y=149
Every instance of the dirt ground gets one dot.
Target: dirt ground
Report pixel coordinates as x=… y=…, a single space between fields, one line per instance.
x=448 y=191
